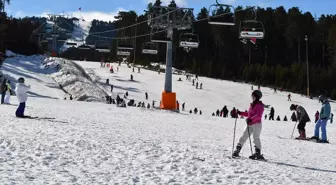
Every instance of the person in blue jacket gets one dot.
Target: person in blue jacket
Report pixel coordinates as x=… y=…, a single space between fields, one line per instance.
x=322 y=122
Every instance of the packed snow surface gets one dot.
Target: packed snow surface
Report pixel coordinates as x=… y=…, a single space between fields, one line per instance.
x=96 y=143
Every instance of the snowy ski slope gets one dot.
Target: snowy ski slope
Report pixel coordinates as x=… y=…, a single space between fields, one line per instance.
x=79 y=34
x=96 y=143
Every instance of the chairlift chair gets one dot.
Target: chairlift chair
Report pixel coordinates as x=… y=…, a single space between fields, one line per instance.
x=150 y=48
x=189 y=40
x=251 y=29
x=124 y=44
x=84 y=47
x=215 y=17
x=159 y=35
x=102 y=46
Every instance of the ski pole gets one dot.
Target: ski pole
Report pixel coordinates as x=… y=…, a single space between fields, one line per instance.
x=293 y=129
x=248 y=130
x=234 y=135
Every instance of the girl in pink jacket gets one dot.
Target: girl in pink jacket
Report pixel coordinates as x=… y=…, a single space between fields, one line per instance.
x=254 y=117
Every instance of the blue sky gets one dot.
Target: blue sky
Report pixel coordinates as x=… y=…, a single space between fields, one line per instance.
x=106 y=9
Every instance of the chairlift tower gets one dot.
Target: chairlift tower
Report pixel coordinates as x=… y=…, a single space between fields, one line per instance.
x=54 y=34
x=168 y=19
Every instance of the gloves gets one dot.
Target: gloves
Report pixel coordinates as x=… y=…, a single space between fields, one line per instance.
x=248 y=121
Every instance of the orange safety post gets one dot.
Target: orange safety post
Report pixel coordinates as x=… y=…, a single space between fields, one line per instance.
x=168 y=101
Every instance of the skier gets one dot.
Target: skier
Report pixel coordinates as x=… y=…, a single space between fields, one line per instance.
x=196 y=77
x=213 y=114
x=107 y=81
x=271 y=115
x=21 y=93
x=293 y=117
x=322 y=122
x=8 y=92
x=195 y=110
x=285 y=118
x=138 y=69
x=111 y=88
x=177 y=106
x=317 y=116
x=278 y=118
x=71 y=97
x=217 y=113
x=289 y=97
x=148 y=106
x=146 y=96
x=131 y=77
x=331 y=117
x=254 y=117
x=259 y=87
x=190 y=111
x=196 y=85
x=153 y=104
x=3 y=89
x=183 y=106
x=275 y=91
x=193 y=82
x=234 y=113
x=303 y=118
x=201 y=86
x=252 y=88
x=225 y=111
x=158 y=71
x=200 y=112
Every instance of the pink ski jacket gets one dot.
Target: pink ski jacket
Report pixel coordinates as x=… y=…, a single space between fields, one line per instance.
x=255 y=113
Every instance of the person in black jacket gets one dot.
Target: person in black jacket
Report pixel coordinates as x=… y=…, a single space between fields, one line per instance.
x=302 y=117
x=271 y=115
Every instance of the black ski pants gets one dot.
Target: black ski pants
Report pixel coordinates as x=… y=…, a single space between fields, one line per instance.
x=302 y=125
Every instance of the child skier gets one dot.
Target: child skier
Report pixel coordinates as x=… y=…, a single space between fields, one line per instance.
x=322 y=122
x=21 y=93
x=302 y=117
x=254 y=117
x=8 y=92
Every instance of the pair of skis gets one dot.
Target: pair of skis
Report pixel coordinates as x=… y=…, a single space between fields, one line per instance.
x=37 y=118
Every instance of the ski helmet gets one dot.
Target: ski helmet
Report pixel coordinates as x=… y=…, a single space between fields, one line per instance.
x=21 y=80
x=292 y=107
x=322 y=98
x=257 y=94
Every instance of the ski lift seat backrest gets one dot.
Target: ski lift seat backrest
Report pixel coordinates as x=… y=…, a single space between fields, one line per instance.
x=150 y=48
x=189 y=40
x=251 y=29
x=222 y=14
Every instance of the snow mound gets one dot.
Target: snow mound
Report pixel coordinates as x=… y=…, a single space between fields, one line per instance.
x=74 y=80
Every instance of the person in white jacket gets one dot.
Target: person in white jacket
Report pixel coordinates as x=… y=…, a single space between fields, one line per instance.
x=21 y=94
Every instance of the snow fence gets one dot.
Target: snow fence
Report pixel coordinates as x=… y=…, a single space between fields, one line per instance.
x=73 y=79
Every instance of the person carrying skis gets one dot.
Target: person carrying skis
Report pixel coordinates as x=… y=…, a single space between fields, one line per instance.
x=303 y=118
x=317 y=116
x=322 y=122
x=21 y=93
x=254 y=117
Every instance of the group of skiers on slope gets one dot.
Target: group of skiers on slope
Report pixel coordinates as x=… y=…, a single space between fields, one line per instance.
x=254 y=125
x=21 y=90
